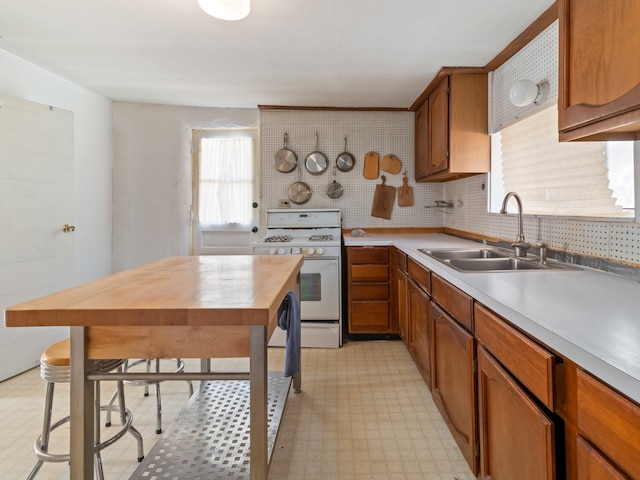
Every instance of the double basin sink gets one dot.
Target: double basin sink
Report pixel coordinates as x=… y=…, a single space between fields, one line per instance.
x=490 y=260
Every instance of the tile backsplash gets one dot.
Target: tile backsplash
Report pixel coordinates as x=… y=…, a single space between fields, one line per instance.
x=385 y=132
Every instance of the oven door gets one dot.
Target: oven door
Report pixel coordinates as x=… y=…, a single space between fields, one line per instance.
x=320 y=289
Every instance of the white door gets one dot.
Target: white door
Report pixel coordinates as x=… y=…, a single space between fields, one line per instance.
x=36 y=200
x=225 y=191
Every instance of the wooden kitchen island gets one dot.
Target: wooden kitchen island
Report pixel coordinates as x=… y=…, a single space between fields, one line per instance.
x=187 y=307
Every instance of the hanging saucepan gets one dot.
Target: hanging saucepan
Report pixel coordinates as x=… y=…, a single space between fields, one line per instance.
x=285 y=160
x=344 y=160
x=299 y=193
x=334 y=189
x=316 y=162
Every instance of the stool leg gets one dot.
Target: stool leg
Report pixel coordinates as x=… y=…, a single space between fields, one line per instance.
x=136 y=434
x=46 y=428
x=98 y=458
x=158 y=401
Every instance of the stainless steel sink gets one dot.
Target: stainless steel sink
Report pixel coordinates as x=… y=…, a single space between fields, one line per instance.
x=466 y=253
x=495 y=265
x=491 y=260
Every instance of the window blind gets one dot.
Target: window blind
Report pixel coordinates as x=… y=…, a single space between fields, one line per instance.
x=555 y=178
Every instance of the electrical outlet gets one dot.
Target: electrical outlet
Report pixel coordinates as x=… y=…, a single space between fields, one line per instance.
x=284 y=203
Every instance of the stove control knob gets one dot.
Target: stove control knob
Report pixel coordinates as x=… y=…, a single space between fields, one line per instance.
x=272 y=251
x=311 y=251
x=281 y=251
x=320 y=251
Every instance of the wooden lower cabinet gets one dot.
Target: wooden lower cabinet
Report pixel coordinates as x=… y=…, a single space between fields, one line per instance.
x=453 y=381
x=371 y=290
x=403 y=300
x=517 y=437
x=419 y=330
x=592 y=465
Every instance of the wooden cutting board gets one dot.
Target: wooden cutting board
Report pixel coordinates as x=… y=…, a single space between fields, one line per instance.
x=405 y=194
x=371 y=167
x=391 y=163
x=383 y=200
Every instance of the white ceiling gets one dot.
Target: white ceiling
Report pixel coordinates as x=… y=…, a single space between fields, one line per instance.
x=344 y=53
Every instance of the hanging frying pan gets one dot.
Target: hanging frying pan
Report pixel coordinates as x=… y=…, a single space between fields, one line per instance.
x=344 y=160
x=285 y=160
x=299 y=193
x=334 y=189
x=316 y=162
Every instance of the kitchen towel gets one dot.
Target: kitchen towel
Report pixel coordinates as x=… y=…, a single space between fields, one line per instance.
x=289 y=320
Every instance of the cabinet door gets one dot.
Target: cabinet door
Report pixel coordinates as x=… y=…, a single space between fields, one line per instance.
x=516 y=435
x=453 y=381
x=439 y=128
x=422 y=141
x=599 y=68
x=403 y=325
x=593 y=466
x=419 y=330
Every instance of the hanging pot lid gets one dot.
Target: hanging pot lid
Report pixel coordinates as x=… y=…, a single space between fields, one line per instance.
x=285 y=160
x=316 y=162
x=345 y=161
x=299 y=193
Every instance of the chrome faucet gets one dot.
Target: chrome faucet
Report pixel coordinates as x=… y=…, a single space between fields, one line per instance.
x=520 y=245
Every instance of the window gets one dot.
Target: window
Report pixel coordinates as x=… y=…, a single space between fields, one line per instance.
x=593 y=179
x=225 y=176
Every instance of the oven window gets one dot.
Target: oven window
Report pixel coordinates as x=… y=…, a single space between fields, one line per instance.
x=310 y=287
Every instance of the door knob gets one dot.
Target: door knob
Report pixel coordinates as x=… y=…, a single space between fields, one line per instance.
x=68 y=228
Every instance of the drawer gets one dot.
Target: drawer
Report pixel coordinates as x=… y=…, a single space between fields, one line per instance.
x=368 y=255
x=369 y=273
x=419 y=274
x=610 y=421
x=454 y=301
x=402 y=260
x=369 y=317
x=369 y=291
x=531 y=364
x=592 y=465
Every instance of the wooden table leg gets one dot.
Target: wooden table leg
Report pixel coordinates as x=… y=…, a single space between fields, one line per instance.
x=258 y=403
x=82 y=410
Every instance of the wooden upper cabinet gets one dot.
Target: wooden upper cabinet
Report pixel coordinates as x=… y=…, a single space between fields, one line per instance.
x=452 y=139
x=422 y=141
x=599 y=94
x=439 y=128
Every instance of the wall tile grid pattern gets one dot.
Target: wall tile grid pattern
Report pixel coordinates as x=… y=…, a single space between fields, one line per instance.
x=385 y=132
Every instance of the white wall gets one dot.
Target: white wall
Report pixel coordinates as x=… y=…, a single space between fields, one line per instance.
x=92 y=156
x=152 y=176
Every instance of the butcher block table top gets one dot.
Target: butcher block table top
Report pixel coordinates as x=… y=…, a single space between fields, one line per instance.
x=190 y=291
x=188 y=307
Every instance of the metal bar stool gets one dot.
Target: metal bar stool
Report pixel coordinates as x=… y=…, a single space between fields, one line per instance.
x=128 y=364
x=55 y=368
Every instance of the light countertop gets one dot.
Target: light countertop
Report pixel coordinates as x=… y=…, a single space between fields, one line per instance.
x=588 y=316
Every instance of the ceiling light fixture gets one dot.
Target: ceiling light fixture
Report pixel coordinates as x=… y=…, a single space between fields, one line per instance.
x=226 y=9
x=526 y=92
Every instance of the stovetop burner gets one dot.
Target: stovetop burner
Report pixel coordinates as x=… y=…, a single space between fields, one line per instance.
x=278 y=239
x=321 y=238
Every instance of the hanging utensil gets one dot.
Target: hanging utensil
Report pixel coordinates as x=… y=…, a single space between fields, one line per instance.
x=405 y=192
x=390 y=163
x=334 y=189
x=371 y=167
x=316 y=162
x=344 y=160
x=383 y=200
x=299 y=192
x=285 y=160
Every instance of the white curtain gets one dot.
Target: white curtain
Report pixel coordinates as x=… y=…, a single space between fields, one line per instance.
x=554 y=178
x=225 y=187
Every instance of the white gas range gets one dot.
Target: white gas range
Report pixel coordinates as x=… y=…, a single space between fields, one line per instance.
x=316 y=234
